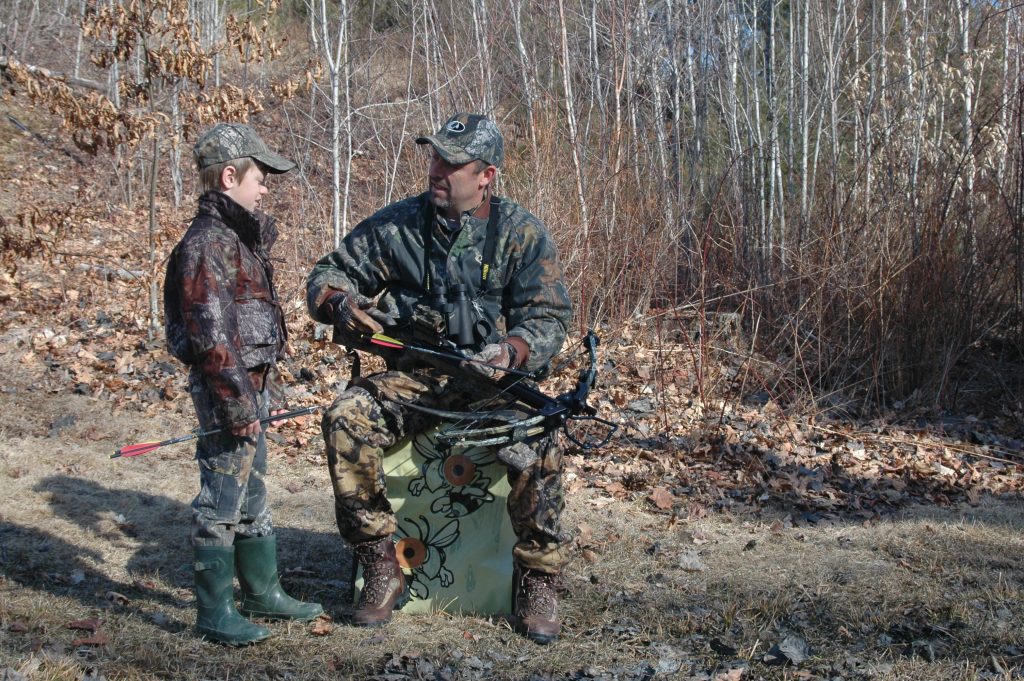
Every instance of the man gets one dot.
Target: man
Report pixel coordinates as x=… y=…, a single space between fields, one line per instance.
x=224 y=322
x=457 y=234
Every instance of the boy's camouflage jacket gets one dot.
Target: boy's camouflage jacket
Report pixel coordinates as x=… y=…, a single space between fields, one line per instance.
x=525 y=295
x=223 y=318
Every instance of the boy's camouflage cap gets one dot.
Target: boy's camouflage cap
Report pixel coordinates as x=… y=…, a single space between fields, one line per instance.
x=228 y=141
x=468 y=137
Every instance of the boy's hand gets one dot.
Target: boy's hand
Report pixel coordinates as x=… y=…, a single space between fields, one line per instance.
x=275 y=412
x=248 y=430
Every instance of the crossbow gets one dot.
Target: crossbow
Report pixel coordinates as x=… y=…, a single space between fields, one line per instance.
x=528 y=413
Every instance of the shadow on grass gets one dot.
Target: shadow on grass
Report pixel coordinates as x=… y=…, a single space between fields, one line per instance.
x=145 y=536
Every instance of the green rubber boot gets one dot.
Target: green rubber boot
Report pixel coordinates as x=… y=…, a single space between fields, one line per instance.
x=218 y=620
x=262 y=595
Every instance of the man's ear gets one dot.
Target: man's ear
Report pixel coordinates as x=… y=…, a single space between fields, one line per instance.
x=228 y=177
x=487 y=176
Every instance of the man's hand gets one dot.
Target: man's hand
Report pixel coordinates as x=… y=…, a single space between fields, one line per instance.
x=490 y=360
x=355 y=315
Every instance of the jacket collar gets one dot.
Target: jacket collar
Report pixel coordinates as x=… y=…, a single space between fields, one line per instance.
x=480 y=213
x=256 y=230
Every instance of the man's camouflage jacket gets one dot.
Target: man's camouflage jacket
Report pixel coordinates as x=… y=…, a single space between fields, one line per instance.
x=525 y=294
x=223 y=318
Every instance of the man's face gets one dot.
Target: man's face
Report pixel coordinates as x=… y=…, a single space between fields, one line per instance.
x=245 y=190
x=455 y=189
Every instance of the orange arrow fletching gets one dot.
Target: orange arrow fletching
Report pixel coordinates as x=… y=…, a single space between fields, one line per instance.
x=135 y=450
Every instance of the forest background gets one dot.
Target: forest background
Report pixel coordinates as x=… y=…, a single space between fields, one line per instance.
x=777 y=214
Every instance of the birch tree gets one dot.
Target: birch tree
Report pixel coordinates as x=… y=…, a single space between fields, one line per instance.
x=333 y=38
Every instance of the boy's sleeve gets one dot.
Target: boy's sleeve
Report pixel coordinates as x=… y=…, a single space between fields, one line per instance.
x=207 y=297
x=275 y=388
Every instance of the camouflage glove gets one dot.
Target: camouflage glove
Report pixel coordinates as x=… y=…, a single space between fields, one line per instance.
x=355 y=315
x=381 y=317
x=500 y=355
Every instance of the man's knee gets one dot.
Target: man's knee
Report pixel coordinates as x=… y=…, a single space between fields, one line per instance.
x=353 y=422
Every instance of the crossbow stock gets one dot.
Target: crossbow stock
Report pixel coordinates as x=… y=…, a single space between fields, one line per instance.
x=528 y=413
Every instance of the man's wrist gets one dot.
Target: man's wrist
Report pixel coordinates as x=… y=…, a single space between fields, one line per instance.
x=513 y=354
x=522 y=350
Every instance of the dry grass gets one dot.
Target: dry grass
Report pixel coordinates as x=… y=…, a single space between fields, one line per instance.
x=931 y=593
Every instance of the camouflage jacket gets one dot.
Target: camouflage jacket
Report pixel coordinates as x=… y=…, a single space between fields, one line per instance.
x=524 y=294
x=223 y=318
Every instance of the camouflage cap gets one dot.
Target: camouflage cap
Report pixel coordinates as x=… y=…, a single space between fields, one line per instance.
x=468 y=137
x=228 y=141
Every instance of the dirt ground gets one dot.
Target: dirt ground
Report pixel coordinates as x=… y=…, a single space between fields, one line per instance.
x=95 y=578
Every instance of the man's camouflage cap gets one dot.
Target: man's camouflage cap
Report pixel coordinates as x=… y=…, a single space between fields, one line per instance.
x=228 y=141
x=468 y=137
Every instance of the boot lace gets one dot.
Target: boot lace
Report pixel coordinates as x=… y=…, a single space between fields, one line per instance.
x=537 y=595
x=377 y=574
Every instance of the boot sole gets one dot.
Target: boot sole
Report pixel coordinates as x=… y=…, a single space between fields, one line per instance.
x=213 y=638
x=541 y=639
x=276 y=616
x=535 y=636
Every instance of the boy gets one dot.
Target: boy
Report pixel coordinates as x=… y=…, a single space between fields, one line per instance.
x=225 y=323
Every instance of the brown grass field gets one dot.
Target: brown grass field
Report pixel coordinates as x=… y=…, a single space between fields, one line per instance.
x=95 y=578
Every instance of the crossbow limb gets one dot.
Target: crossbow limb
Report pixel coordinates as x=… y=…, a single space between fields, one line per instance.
x=535 y=414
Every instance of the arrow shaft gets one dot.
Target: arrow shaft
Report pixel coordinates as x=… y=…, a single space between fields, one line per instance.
x=395 y=344
x=146 y=447
x=268 y=419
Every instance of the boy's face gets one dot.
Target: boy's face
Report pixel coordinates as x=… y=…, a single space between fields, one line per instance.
x=246 y=190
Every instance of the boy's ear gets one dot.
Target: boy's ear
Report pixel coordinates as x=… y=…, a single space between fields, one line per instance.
x=229 y=177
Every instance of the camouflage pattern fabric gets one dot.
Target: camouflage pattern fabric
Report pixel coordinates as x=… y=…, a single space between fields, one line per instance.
x=232 y=493
x=367 y=420
x=223 y=317
x=383 y=255
x=535 y=504
x=230 y=141
x=468 y=137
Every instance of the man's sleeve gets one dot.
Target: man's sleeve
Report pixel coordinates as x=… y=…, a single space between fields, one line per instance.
x=537 y=304
x=356 y=267
x=207 y=300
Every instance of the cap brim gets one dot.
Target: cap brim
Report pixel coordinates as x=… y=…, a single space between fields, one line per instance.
x=275 y=163
x=454 y=157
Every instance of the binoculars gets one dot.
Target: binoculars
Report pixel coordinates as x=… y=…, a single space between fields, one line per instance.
x=458 y=315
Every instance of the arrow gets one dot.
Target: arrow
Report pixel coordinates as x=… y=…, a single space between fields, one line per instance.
x=395 y=344
x=146 y=447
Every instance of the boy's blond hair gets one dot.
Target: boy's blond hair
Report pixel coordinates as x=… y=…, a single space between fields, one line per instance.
x=209 y=177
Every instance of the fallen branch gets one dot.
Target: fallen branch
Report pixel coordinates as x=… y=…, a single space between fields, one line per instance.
x=7 y=62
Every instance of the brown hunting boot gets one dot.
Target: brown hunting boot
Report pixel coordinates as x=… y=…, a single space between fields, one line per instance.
x=535 y=605
x=383 y=583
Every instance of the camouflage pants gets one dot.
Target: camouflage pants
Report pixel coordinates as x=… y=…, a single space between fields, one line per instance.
x=232 y=495
x=365 y=421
